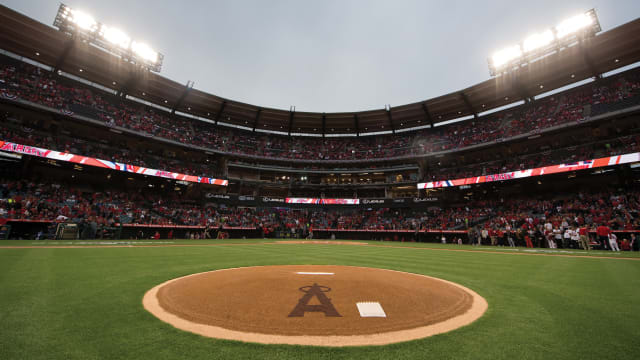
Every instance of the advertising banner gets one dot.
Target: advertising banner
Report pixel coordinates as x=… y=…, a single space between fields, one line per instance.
x=318 y=201
x=545 y=170
x=89 y=161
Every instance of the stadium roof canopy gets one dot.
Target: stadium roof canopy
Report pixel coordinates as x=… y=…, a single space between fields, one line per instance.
x=602 y=53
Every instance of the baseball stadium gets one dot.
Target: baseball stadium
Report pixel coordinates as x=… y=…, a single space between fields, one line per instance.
x=143 y=217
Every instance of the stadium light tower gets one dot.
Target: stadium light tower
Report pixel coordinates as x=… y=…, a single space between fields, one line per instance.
x=567 y=33
x=78 y=23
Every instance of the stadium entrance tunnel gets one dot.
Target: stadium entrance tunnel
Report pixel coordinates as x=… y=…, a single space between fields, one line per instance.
x=323 y=305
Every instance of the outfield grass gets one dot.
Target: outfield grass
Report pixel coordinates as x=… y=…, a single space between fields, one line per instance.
x=85 y=303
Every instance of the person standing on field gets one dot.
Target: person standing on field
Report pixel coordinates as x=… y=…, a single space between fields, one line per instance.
x=548 y=228
x=509 y=235
x=575 y=238
x=584 y=238
x=566 y=240
x=527 y=239
x=520 y=237
x=485 y=234
x=493 y=234
x=500 y=235
x=603 y=232
x=555 y=238
x=613 y=242
x=310 y=236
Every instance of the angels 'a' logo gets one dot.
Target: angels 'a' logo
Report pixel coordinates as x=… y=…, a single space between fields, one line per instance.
x=325 y=303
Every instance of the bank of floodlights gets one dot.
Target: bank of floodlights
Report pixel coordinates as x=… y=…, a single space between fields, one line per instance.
x=536 y=46
x=78 y=23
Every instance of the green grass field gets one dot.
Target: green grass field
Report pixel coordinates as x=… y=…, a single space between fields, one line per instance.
x=85 y=303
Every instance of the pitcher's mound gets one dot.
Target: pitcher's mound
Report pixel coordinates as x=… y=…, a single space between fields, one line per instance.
x=314 y=305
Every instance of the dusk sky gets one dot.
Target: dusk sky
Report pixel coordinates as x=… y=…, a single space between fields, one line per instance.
x=330 y=55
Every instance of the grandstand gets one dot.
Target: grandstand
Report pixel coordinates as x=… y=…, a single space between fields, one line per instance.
x=115 y=145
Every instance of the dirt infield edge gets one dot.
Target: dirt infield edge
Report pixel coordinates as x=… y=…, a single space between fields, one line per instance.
x=479 y=306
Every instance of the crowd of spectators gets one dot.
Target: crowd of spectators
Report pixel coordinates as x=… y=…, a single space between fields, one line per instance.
x=31 y=83
x=492 y=222
x=121 y=153
x=48 y=201
x=561 y=222
x=28 y=200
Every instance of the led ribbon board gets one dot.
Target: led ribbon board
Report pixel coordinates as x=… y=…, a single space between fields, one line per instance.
x=545 y=170
x=89 y=161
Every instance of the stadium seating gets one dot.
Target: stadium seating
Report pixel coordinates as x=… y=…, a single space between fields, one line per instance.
x=54 y=200
x=37 y=85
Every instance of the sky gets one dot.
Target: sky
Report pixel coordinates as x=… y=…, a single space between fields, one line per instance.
x=330 y=55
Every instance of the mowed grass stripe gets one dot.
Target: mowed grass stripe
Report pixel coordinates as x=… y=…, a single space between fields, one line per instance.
x=85 y=303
